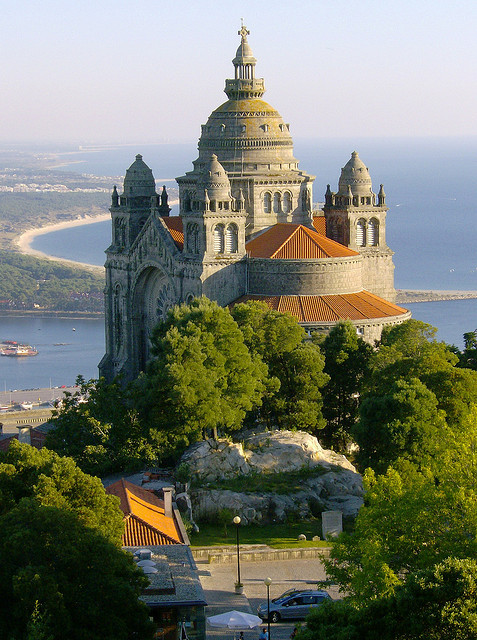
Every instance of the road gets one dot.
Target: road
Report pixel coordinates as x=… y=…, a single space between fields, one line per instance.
x=36 y=416
x=34 y=395
x=218 y=583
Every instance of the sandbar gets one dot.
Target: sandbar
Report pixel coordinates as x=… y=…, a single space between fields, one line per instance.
x=24 y=241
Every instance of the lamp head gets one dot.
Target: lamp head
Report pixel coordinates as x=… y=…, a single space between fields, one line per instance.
x=237 y=520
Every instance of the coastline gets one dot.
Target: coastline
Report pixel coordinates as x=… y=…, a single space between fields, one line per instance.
x=24 y=241
x=408 y=296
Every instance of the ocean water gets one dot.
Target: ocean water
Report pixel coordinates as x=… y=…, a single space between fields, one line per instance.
x=431 y=224
x=66 y=348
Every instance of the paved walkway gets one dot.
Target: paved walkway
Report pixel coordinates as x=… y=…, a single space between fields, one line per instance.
x=218 y=583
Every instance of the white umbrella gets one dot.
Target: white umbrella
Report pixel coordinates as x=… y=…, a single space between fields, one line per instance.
x=234 y=620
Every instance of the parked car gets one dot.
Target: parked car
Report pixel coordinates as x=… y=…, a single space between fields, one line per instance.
x=293 y=604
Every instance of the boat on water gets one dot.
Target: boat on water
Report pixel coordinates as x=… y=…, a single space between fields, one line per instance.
x=15 y=349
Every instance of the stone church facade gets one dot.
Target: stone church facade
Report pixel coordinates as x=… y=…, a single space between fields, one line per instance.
x=246 y=230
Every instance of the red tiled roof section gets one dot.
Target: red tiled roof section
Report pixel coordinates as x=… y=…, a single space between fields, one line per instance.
x=319 y=222
x=145 y=521
x=176 y=229
x=348 y=306
x=37 y=440
x=287 y=241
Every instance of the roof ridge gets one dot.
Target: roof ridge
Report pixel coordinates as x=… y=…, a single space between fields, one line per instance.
x=128 y=504
x=311 y=233
x=287 y=239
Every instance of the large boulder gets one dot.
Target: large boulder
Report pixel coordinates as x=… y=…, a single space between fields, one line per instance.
x=336 y=486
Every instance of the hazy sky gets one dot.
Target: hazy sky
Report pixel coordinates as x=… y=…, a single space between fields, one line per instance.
x=88 y=71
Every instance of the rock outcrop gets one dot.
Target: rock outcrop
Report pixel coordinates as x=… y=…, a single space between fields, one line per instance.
x=336 y=485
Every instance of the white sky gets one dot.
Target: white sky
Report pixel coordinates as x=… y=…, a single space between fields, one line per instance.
x=120 y=71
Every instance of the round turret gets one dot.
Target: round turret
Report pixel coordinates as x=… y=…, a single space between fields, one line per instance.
x=139 y=180
x=213 y=181
x=355 y=178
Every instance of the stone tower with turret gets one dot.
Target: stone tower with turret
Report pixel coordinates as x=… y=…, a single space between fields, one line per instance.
x=356 y=218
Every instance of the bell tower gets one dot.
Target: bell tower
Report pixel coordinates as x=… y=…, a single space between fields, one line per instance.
x=356 y=217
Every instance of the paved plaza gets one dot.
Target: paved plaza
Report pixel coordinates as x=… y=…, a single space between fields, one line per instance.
x=218 y=583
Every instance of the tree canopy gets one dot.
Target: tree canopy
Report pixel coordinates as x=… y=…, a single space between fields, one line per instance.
x=347 y=363
x=437 y=603
x=55 y=481
x=64 y=580
x=100 y=428
x=402 y=422
x=293 y=389
x=202 y=377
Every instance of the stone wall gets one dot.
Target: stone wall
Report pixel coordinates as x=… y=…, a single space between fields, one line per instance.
x=327 y=276
x=378 y=274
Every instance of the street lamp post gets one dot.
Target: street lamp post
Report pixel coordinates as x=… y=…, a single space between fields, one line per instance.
x=236 y=522
x=268 y=582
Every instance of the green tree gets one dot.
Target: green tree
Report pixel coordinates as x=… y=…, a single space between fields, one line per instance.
x=409 y=350
x=455 y=390
x=202 y=377
x=54 y=481
x=347 y=359
x=438 y=603
x=100 y=429
x=410 y=521
x=468 y=357
x=62 y=580
x=292 y=398
x=402 y=422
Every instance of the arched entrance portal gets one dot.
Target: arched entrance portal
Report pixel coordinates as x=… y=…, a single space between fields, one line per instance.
x=153 y=297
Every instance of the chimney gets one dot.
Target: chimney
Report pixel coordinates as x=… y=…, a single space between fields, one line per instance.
x=24 y=434
x=167 y=492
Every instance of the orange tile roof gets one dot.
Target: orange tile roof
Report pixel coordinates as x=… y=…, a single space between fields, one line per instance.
x=347 y=306
x=287 y=241
x=176 y=229
x=145 y=522
x=319 y=222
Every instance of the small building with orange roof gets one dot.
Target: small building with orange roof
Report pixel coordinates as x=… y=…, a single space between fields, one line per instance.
x=155 y=535
x=148 y=520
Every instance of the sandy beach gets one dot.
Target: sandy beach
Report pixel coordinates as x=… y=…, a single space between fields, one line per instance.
x=24 y=241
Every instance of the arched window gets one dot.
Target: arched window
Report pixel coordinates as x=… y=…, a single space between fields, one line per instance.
x=287 y=202
x=231 y=239
x=277 y=202
x=361 y=233
x=219 y=238
x=373 y=232
x=267 y=203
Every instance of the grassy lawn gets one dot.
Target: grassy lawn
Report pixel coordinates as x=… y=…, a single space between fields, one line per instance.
x=278 y=536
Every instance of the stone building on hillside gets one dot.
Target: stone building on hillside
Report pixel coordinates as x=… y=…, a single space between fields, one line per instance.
x=246 y=230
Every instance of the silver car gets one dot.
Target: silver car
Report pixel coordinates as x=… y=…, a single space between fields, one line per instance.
x=295 y=604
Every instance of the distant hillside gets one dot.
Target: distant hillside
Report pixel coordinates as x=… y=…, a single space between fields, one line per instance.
x=27 y=283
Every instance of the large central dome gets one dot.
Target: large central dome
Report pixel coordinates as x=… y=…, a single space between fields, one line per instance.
x=246 y=133
x=253 y=145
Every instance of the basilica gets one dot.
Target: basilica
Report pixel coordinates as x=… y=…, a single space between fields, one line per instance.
x=246 y=230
